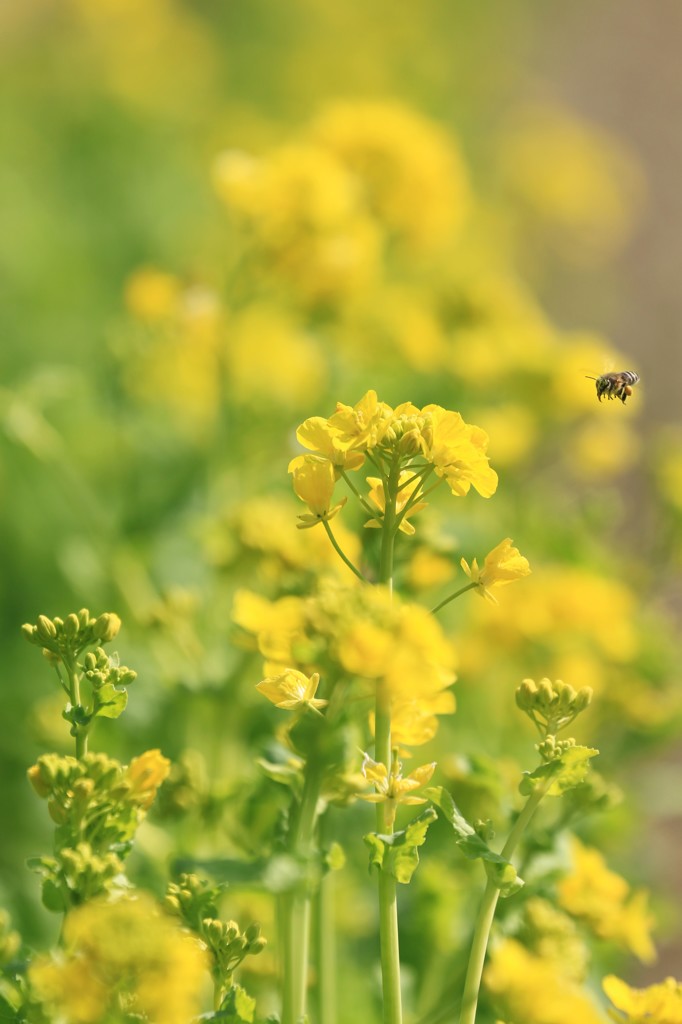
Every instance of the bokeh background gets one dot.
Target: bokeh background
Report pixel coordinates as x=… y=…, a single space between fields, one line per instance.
x=220 y=218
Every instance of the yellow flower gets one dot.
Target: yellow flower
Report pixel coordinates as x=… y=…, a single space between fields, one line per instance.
x=503 y=564
x=152 y=295
x=657 y=1004
x=458 y=452
x=316 y=434
x=532 y=990
x=393 y=787
x=377 y=496
x=292 y=690
x=314 y=480
x=363 y=425
x=397 y=154
x=605 y=902
x=145 y=774
x=127 y=949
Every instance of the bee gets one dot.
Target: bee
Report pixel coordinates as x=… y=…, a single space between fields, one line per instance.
x=616 y=385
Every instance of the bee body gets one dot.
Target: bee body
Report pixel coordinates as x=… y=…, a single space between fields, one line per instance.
x=616 y=385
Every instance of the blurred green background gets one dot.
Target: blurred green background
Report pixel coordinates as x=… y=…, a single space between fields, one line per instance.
x=514 y=230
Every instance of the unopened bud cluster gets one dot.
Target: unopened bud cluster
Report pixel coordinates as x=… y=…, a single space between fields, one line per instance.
x=552 y=749
x=193 y=900
x=551 y=705
x=69 y=636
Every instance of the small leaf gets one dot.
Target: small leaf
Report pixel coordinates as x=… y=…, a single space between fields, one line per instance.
x=567 y=771
x=499 y=870
x=110 y=702
x=397 y=853
x=52 y=896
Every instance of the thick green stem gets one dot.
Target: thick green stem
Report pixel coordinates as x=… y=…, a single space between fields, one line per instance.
x=388 y=906
x=486 y=914
x=325 y=959
x=297 y=912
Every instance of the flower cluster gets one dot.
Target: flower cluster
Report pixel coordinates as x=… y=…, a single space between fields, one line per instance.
x=407 y=444
x=122 y=958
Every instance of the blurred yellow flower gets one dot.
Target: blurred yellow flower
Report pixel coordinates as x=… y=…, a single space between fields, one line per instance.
x=398 y=154
x=269 y=355
x=145 y=774
x=126 y=951
x=292 y=690
x=656 y=1004
x=604 y=901
x=152 y=294
x=502 y=565
x=528 y=988
x=427 y=569
x=602 y=449
x=574 y=179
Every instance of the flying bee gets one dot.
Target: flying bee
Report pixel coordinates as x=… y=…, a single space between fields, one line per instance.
x=616 y=385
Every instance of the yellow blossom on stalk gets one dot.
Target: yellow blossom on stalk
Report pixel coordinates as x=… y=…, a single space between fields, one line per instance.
x=127 y=950
x=458 y=451
x=316 y=434
x=532 y=990
x=292 y=690
x=656 y=1004
x=145 y=774
x=377 y=496
x=606 y=903
x=393 y=786
x=363 y=425
x=503 y=564
x=314 y=481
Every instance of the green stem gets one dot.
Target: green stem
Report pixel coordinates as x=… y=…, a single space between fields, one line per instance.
x=457 y=593
x=297 y=924
x=388 y=905
x=340 y=552
x=81 y=733
x=486 y=912
x=325 y=939
x=361 y=498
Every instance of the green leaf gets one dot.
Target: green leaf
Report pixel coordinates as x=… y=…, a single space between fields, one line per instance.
x=397 y=854
x=52 y=896
x=238 y=1007
x=566 y=772
x=500 y=871
x=109 y=702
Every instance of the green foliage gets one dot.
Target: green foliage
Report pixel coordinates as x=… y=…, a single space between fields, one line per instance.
x=398 y=853
x=473 y=846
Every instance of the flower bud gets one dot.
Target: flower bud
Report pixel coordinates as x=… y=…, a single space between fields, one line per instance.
x=252 y=932
x=71 y=626
x=582 y=699
x=29 y=632
x=106 y=627
x=46 y=628
x=38 y=781
x=257 y=946
x=84 y=618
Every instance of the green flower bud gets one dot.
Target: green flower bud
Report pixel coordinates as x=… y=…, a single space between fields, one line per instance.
x=583 y=699
x=84 y=618
x=71 y=626
x=257 y=946
x=29 y=632
x=252 y=932
x=106 y=627
x=40 y=784
x=46 y=628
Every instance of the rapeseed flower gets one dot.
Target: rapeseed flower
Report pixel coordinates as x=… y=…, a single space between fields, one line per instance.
x=528 y=988
x=292 y=690
x=145 y=774
x=314 y=481
x=502 y=565
x=394 y=787
x=122 y=953
x=656 y=1004
x=604 y=901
